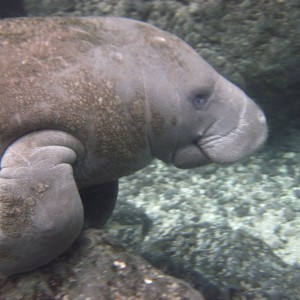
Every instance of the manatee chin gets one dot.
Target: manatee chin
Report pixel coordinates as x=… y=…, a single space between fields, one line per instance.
x=190 y=157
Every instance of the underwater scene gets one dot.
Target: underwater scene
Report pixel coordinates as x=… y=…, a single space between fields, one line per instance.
x=208 y=201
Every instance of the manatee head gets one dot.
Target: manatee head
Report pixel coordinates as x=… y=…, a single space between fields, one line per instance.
x=196 y=116
x=225 y=126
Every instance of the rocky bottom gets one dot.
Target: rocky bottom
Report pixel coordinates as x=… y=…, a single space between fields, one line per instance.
x=235 y=226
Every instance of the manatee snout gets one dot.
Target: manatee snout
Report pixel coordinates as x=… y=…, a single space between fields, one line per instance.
x=239 y=126
x=249 y=134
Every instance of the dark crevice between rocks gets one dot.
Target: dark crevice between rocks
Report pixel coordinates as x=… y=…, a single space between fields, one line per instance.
x=12 y=9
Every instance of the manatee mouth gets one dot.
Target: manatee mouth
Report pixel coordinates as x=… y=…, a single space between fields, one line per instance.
x=191 y=156
x=221 y=149
x=236 y=145
x=210 y=146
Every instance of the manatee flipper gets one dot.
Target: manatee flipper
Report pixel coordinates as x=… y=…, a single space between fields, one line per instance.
x=98 y=202
x=41 y=212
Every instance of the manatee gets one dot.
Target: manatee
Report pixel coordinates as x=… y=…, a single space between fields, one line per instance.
x=85 y=101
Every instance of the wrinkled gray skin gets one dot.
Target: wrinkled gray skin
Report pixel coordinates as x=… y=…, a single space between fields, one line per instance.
x=85 y=101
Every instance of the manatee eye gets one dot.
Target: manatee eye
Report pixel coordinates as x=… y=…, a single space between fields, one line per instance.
x=198 y=101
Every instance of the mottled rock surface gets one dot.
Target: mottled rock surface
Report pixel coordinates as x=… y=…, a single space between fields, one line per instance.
x=96 y=269
x=220 y=262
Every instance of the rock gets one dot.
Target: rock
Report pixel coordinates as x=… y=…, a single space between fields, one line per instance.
x=220 y=262
x=95 y=269
x=224 y=263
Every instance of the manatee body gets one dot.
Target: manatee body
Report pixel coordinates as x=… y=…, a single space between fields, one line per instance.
x=85 y=101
